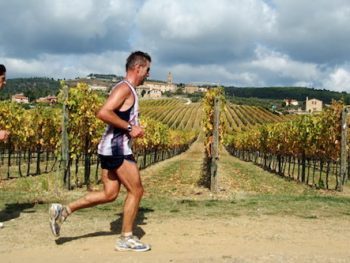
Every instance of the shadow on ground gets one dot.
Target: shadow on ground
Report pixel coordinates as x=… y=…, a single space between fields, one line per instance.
x=115 y=228
x=204 y=180
x=12 y=211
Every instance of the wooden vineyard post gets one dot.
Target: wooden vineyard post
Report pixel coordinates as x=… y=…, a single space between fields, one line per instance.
x=65 y=141
x=215 y=147
x=343 y=176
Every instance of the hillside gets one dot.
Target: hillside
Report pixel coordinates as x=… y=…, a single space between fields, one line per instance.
x=180 y=114
x=266 y=96
x=280 y=93
x=32 y=88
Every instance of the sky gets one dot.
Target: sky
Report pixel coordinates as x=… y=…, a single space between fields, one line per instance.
x=241 y=43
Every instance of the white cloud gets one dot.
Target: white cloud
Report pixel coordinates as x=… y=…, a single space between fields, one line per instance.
x=338 y=80
x=65 y=26
x=188 y=20
x=212 y=74
x=67 y=66
x=189 y=32
x=242 y=43
x=313 y=31
x=283 y=65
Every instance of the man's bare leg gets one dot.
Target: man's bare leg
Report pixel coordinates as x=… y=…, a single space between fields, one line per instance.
x=129 y=175
x=58 y=213
x=111 y=187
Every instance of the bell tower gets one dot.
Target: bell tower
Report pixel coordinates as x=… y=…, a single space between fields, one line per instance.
x=170 y=78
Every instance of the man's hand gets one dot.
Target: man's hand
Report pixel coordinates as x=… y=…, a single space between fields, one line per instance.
x=137 y=131
x=4 y=135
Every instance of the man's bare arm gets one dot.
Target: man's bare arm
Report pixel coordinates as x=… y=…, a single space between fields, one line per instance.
x=120 y=99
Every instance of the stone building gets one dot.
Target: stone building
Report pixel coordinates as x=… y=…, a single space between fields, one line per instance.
x=291 y=102
x=313 y=105
x=20 y=98
x=191 y=89
x=154 y=89
x=49 y=99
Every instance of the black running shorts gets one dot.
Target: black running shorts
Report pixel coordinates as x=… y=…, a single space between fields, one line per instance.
x=114 y=162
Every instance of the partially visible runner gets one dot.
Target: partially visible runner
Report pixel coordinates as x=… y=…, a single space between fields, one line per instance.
x=3 y=133
x=120 y=112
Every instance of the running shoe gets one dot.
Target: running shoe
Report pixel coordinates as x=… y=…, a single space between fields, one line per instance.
x=131 y=243
x=56 y=218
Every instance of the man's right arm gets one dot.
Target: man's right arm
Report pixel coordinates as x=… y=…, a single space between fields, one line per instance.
x=115 y=101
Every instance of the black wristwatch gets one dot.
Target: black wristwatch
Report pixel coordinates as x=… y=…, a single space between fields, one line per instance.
x=129 y=128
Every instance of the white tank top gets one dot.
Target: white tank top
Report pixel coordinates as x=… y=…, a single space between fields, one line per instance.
x=116 y=141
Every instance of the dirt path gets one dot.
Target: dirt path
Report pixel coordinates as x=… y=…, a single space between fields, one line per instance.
x=240 y=239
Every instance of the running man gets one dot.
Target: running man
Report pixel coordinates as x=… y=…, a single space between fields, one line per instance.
x=119 y=167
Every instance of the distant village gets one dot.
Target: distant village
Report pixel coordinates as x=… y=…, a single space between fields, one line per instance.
x=311 y=106
x=152 y=89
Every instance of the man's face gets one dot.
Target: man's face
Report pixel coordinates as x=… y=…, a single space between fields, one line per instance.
x=144 y=72
x=2 y=80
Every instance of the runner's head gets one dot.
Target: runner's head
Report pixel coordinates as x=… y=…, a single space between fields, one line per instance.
x=139 y=64
x=137 y=58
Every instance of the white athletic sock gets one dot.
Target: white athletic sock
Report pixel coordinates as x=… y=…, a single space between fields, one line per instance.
x=68 y=210
x=127 y=234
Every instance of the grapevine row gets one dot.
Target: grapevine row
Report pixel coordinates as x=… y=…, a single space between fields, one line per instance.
x=36 y=133
x=242 y=118
x=312 y=142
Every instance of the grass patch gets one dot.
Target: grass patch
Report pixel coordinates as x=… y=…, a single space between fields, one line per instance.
x=304 y=206
x=172 y=190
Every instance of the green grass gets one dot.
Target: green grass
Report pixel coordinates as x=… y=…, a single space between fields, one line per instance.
x=173 y=190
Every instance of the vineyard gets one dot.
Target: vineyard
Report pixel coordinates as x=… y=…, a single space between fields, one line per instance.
x=306 y=149
x=175 y=113
x=303 y=148
x=242 y=118
x=179 y=114
x=35 y=143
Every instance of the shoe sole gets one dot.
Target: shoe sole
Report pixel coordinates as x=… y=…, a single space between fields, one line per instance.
x=52 y=220
x=122 y=249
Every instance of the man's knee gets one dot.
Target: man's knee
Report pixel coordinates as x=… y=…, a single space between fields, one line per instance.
x=110 y=196
x=138 y=191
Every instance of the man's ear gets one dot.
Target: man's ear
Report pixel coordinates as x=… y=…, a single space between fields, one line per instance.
x=138 y=68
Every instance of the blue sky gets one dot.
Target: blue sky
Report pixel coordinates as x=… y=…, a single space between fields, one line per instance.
x=228 y=42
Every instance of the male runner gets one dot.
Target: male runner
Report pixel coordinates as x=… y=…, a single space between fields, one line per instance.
x=120 y=112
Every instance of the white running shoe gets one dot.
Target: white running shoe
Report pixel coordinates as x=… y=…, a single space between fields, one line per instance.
x=56 y=218
x=131 y=243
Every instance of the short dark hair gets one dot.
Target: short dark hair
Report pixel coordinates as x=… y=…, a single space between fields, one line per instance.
x=137 y=57
x=2 y=69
